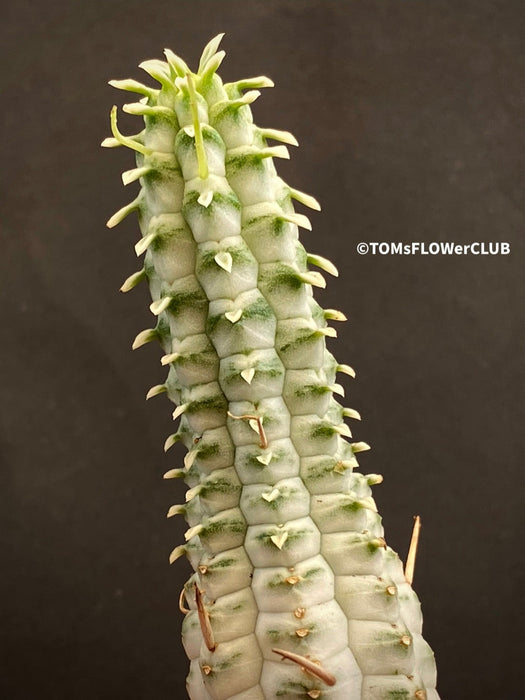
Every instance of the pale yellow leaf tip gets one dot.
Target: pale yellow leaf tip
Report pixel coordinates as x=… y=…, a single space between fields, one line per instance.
x=132 y=281
x=180 y=410
x=171 y=440
x=270 y=496
x=156 y=391
x=323 y=263
x=169 y=358
x=360 y=446
x=175 y=510
x=110 y=142
x=121 y=214
x=157 y=307
x=177 y=553
x=334 y=315
x=224 y=260
x=280 y=539
x=346 y=369
x=205 y=198
x=248 y=375
x=174 y=474
x=144 y=337
x=129 y=176
x=233 y=316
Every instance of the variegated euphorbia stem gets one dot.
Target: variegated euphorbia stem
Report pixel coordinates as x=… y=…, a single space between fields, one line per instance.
x=295 y=592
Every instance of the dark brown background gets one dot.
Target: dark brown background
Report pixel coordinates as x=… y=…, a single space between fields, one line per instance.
x=410 y=115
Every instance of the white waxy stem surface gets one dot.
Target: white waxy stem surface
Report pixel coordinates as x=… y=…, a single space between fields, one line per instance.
x=284 y=537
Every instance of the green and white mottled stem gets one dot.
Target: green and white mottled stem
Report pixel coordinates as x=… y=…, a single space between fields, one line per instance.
x=295 y=593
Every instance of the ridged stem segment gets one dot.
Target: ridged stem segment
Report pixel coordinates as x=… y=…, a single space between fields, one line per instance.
x=295 y=592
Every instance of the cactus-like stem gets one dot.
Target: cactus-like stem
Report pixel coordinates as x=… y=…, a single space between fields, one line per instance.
x=295 y=593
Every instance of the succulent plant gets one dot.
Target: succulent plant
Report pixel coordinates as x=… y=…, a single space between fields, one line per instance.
x=295 y=593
